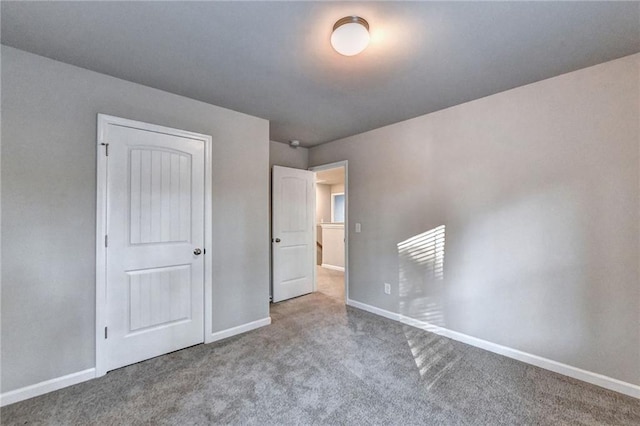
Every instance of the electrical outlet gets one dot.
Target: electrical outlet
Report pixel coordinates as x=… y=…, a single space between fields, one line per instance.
x=387 y=288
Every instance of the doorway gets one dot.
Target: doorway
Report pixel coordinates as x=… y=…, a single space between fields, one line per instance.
x=331 y=230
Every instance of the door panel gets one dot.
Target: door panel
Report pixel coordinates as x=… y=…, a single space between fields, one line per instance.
x=160 y=196
x=155 y=282
x=159 y=296
x=293 y=213
x=293 y=205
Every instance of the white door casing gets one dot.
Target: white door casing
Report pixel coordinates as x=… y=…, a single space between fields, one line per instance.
x=153 y=203
x=293 y=217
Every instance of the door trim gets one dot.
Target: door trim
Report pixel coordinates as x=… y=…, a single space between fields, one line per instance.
x=101 y=226
x=345 y=164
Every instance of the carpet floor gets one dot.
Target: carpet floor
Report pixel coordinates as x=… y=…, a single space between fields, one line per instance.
x=323 y=363
x=331 y=283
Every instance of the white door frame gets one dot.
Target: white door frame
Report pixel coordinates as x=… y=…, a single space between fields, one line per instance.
x=101 y=226
x=345 y=164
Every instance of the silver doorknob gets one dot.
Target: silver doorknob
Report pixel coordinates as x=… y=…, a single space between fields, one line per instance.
x=197 y=252
x=277 y=240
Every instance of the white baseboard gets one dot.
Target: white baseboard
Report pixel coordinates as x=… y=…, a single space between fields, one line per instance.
x=373 y=310
x=335 y=268
x=46 y=386
x=88 y=374
x=548 y=364
x=219 y=335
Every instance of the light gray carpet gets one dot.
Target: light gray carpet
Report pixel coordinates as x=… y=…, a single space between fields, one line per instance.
x=331 y=283
x=322 y=363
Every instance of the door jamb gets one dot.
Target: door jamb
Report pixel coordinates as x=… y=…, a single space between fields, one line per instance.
x=102 y=226
x=334 y=165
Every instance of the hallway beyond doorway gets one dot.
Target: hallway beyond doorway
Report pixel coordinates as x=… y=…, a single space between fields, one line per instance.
x=330 y=283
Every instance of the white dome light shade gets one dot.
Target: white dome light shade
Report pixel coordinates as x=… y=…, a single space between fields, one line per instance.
x=350 y=35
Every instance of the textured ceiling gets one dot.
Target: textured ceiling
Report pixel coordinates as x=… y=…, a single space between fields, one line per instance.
x=274 y=60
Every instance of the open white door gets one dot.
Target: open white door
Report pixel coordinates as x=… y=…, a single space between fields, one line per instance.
x=293 y=216
x=154 y=223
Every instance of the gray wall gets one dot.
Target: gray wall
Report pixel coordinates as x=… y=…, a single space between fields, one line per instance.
x=48 y=208
x=538 y=188
x=281 y=154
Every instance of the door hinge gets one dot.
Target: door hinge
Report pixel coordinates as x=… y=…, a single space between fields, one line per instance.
x=106 y=148
x=105 y=332
x=106 y=241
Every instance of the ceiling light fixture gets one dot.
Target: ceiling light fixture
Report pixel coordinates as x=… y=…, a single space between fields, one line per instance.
x=350 y=35
x=294 y=143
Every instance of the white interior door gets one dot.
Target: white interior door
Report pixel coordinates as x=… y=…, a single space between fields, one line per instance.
x=293 y=216
x=155 y=230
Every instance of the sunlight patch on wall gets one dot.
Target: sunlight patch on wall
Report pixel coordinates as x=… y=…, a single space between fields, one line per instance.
x=421 y=270
x=426 y=250
x=421 y=267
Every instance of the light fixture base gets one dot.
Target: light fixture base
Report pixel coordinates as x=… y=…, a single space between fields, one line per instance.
x=351 y=20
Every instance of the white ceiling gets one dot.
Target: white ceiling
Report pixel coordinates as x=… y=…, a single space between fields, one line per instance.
x=274 y=60
x=330 y=176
